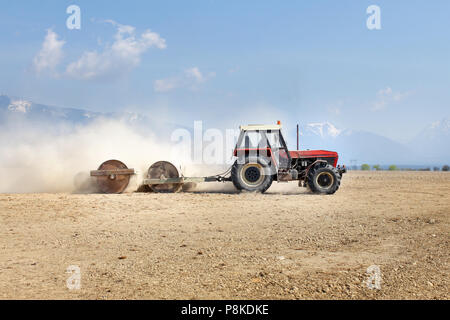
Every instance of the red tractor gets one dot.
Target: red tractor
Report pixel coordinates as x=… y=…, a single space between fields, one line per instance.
x=262 y=157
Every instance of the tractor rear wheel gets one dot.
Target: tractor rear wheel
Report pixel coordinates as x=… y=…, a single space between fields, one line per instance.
x=324 y=178
x=252 y=175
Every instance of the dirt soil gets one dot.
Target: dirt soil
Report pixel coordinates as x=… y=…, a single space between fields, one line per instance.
x=285 y=244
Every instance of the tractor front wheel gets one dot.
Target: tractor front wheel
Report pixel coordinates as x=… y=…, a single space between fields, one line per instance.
x=252 y=175
x=324 y=179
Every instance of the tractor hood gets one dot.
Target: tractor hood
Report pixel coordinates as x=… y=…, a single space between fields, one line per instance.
x=330 y=156
x=312 y=153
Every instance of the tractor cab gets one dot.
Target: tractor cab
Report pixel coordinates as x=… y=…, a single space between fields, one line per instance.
x=263 y=141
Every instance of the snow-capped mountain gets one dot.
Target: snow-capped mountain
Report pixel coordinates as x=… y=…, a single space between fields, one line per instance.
x=19 y=106
x=20 y=109
x=322 y=129
x=15 y=109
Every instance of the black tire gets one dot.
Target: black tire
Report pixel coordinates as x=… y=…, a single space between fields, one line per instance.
x=254 y=174
x=324 y=179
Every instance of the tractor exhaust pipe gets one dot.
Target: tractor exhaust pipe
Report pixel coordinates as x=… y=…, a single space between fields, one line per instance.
x=298 y=148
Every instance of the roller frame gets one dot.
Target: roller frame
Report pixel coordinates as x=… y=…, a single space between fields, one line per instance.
x=180 y=180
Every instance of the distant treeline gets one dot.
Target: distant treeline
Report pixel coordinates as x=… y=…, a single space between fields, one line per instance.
x=393 y=167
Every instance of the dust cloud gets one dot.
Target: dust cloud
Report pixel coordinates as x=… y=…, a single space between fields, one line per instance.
x=35 y=159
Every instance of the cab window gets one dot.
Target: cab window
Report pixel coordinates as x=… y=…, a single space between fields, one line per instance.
x=274 y=139
x=253 y=139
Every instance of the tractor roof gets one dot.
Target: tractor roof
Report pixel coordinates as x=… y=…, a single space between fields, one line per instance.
x=252 y=127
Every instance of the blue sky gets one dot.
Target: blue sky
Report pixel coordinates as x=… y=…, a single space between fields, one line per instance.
x=232 y=62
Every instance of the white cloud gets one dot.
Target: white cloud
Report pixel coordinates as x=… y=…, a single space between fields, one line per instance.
x=190 y=78
x=195 y=73
x=50 y=54
x=386 y=96
x=164 y=85
x=123 y=55
x=385 y=92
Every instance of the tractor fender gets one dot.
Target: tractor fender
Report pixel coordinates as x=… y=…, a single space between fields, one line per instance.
x=313 y=165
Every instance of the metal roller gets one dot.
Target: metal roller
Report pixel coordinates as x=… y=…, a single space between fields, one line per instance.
x=112 y=176
x=164 y=170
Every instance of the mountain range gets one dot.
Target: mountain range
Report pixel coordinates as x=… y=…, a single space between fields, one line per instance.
x=15 y=109
x=430 y=147
x=355 y=147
